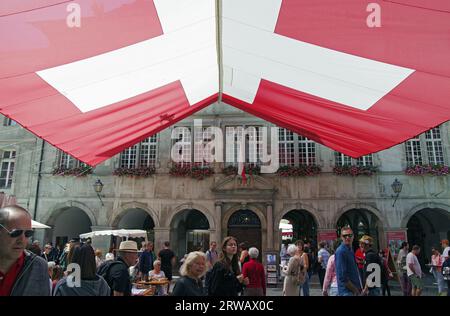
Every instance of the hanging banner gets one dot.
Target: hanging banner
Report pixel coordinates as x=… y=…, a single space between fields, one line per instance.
x=395 y=240
x=329 y=236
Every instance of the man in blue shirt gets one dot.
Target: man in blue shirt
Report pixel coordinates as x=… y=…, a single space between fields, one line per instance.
x=146 y=260
x=348 y=279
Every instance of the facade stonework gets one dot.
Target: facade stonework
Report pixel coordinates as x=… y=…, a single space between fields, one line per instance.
x=165 y=198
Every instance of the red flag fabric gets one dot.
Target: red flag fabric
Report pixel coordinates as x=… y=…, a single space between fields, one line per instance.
x=244 y=176
x=93 y=77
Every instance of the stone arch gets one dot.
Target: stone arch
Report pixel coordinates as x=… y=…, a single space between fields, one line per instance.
x=262 y=219
x=414 y=210
x=382 y=222
x=50 y=217
x=370 y=208
x=238 y=207
x=185 y=206
x=318 y=218
x=120 y=212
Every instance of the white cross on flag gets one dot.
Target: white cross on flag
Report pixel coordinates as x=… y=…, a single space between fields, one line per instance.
x=134 y=67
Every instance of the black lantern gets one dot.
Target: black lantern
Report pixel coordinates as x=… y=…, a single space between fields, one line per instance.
x=397 y=188
x=98 y=187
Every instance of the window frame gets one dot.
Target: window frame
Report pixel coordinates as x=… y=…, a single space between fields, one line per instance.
x=138 y=154
x=10 y=172
x=423 y=141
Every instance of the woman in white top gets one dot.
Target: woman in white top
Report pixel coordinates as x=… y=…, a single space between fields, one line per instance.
x=157 y=274
x=291 y=271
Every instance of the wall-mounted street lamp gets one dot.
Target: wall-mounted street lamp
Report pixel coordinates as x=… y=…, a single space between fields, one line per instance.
x=397 y=188
x=98 y=187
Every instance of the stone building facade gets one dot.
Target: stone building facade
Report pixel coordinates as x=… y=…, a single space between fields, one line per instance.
x=191 y=212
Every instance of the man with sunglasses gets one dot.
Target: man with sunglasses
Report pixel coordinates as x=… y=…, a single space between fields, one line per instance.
x=347 y=275
x=22 y=273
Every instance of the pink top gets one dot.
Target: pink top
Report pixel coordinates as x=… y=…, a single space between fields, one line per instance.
x=330 y=275
x=436 y=260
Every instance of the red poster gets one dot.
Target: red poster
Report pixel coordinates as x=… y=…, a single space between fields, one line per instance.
x=329 y=236
x=395 y=240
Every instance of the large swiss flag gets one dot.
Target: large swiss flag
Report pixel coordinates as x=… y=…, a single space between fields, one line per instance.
x=135 y=67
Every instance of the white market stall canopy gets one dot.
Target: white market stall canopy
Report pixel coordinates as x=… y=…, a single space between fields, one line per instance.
x=93 y=77
x=37 y=225
x=125 y=233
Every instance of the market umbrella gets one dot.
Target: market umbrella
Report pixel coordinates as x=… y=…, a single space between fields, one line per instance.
x=37 y=225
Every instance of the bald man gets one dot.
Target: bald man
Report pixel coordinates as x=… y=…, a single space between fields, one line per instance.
x=22 y=273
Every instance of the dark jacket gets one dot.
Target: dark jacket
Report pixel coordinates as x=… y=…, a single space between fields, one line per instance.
x=97 y=287
x=146 y=260
x=187 y=286
x=223 y=281
x=33 y=280
x=372 y=257
x=117 y=276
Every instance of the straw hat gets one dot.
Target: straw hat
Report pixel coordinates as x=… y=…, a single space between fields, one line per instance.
x=366 y=240
x=128 y=246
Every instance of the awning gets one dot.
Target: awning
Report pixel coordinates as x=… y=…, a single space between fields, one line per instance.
x=134 y=233
x=37 y=225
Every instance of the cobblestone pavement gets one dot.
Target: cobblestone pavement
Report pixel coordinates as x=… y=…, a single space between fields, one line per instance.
x=429 y=290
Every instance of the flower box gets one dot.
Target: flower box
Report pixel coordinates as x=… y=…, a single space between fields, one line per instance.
x=77 y=171
x=249 y=169
x=300 y=171
x=433 y=170
x=143 y=172
x=353 y=171
x=194 y=171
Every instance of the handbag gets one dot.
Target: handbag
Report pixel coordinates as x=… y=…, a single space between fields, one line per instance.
x=301 y=274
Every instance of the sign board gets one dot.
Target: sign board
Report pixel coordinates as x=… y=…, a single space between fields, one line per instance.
x=271 y=268
x=329 y=236
x=395 y=240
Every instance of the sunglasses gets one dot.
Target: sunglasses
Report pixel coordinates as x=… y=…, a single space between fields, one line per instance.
x=348 y=236
x=18 y=232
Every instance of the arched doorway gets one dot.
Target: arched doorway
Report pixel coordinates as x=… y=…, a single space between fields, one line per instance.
x=362 y=222
x=136 y=218
x=68 y=223
x=189 y=231
x=304 y=227
x=427 y=228
x=245 y=226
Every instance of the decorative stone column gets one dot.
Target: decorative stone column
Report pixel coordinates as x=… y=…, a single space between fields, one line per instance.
x=212 y=237
x=218 y=218
x=269 y=210
x=162 y=234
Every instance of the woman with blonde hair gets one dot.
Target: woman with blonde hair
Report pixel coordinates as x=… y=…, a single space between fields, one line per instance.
x=191 y=271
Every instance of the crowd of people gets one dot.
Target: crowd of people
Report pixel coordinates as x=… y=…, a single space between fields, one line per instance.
x=29 y=270
x=353 y=273
x=231 y=270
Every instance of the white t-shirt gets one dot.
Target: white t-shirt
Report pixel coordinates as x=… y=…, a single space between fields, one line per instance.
x=445 y=254
x=412 y=259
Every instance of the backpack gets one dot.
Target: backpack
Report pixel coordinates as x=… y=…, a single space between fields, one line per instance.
x=104 y=269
